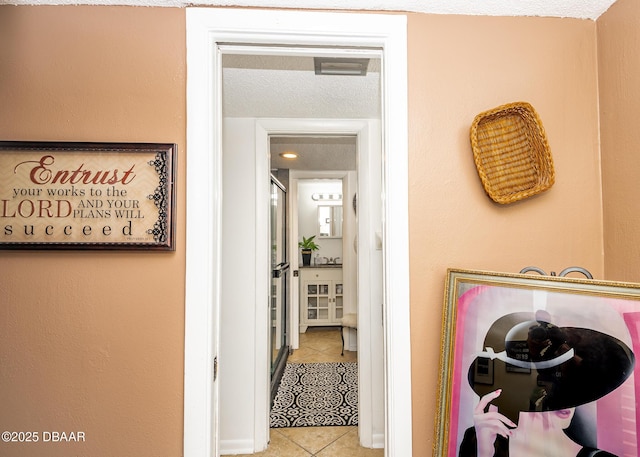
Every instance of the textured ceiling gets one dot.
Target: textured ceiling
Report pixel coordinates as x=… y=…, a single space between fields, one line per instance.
x=285 y=86
x=315 y=153
x=581 y=9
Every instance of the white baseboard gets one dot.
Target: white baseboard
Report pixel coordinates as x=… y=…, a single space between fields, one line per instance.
x=378 y=441
x=234 y=447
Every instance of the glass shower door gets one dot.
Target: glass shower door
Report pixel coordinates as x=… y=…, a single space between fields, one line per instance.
x=279 y=300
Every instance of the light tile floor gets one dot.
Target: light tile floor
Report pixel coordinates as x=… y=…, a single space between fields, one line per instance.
x=321 y=344
x=318 y=344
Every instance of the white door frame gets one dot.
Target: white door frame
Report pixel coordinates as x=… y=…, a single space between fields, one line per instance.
x=206 y=29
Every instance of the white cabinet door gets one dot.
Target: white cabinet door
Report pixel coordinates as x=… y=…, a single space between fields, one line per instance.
x=321 y=301
x=317 y=301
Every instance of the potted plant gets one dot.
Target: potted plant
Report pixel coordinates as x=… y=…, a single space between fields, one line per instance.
x=307 y=246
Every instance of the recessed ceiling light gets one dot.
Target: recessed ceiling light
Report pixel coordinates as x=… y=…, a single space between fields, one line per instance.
x=288 y=155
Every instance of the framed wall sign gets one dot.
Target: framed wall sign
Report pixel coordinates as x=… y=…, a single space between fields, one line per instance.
x=538 y=366
x=87 y=195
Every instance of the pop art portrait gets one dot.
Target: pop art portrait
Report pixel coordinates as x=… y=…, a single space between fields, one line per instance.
x=538 y=366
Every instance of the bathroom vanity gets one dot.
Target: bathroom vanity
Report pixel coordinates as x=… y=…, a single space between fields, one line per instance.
x=320 y=296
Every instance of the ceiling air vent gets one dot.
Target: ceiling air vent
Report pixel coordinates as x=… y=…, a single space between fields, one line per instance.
x=340 y=66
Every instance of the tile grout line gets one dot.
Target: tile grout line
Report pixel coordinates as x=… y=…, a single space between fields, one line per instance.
x=332 y=442
x=296 y=444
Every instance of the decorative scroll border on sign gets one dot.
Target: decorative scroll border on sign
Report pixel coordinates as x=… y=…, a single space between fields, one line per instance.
x=76 y=195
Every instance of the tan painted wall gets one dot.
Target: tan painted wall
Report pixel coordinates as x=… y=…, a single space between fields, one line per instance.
x=619 y=72
x=461 y=66
x=94 y=341
x=90 y=341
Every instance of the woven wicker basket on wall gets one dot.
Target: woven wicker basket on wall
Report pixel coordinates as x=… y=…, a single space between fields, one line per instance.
x=511 y=152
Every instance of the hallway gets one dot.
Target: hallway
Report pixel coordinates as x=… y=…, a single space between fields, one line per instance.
x=318 y=344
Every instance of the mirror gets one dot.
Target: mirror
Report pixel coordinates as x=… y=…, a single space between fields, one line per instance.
x=330 y=221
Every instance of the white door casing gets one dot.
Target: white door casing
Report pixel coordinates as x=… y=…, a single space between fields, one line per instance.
x=206 y=29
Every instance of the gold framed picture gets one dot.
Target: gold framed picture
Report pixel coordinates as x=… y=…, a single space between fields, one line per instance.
x=538 y=366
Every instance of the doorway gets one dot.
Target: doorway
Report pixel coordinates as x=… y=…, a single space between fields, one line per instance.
x=320 y=159
x=207 y=30
x=320 y=175
x=370 y=336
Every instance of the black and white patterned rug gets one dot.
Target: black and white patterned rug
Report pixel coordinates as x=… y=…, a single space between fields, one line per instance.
x=316 y=394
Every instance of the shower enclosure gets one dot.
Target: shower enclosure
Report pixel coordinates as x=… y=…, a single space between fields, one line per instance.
x=279 y=297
